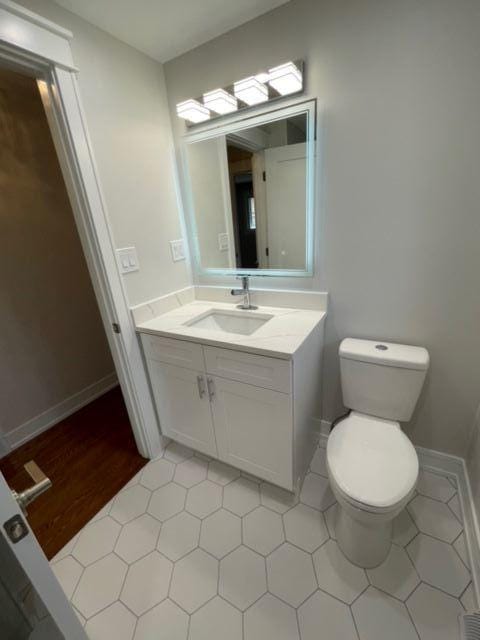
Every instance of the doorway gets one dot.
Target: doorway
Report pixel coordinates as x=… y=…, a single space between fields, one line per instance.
x=55 y=354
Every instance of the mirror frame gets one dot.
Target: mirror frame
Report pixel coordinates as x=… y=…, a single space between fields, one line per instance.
x=229 y=125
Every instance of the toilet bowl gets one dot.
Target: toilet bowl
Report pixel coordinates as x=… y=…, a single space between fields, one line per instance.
x=373 y=470
x=372 y=465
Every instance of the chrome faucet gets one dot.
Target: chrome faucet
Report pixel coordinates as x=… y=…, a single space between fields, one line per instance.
x=245 y=292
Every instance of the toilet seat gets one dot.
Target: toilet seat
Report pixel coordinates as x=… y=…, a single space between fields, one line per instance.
x=372 y=462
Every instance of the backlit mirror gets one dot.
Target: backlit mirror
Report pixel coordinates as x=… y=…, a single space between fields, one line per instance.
x=250 y=193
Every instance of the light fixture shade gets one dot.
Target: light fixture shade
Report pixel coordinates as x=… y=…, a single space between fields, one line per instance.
x=193 y=111
x=250 y=91
x=220 y=101
x=286 y=78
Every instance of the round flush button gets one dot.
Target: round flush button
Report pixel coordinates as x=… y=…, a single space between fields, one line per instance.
x=381 y=347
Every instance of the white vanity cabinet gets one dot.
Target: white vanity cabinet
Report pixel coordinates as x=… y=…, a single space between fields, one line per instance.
x=243 y=408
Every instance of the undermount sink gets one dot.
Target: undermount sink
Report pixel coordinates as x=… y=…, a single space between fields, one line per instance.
x=241 y=322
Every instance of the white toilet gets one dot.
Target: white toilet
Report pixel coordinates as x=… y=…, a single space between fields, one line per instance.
x=372 y=465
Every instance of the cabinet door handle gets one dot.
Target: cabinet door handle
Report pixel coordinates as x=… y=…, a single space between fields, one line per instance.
x=211 y=388
x=201 y=386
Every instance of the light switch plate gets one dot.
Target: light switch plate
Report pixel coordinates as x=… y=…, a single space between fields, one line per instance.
x=223 y=241
x=177 y=248
x=128 y=259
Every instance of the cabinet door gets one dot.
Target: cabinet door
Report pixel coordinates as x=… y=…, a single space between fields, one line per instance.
x=253 y=429
x=183 y=406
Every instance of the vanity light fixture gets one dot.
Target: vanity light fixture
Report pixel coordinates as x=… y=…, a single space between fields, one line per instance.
x=220 y=101
x=251 y=91
x=280 y=81
x=286 y=78
x=193 y=111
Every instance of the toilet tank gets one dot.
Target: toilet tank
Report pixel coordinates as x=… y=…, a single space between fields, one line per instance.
x=382 y=378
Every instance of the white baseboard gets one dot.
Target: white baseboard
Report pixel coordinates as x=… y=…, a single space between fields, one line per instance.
x=52 y=416
x=455 y=467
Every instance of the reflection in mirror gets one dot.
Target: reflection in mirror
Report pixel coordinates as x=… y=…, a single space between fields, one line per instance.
x=249 y=196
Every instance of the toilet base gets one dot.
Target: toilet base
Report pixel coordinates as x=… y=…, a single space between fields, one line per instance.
x=364 y=540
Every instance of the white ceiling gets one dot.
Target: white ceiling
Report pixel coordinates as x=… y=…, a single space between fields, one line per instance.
x=164 y=29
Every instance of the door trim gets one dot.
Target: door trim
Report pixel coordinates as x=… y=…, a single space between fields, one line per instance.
x=44 y=52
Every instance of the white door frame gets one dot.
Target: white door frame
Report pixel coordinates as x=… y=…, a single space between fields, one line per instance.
x=36 y=46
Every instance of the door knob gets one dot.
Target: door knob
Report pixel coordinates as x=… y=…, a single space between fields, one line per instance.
x=42 y=483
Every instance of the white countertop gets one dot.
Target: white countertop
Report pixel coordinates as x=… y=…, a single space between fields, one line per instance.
x=280 y=337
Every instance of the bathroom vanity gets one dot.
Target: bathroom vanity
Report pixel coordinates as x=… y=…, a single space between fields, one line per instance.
x=240 y=386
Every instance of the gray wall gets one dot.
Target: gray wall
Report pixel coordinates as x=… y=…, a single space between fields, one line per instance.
x=124 y=97
x=398 y=222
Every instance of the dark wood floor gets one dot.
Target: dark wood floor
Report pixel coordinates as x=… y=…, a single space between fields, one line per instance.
x=89 y=457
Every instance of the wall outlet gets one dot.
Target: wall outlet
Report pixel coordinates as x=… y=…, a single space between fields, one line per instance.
x=128 y=259
x=223 y=241
x=177 y=247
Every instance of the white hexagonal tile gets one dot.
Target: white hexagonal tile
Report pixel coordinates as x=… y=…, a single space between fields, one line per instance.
x=137 y=538
x=133 y=481
x=176 y=452
x=319 y=462
x=194 y=580
x=276 y=498
x=204 y=499
x=270 y=619
x=322 y=612
x=331 y=519
x=167 y=501
x=116 y=621
x=434 y=518
x=305 y=527
x=179 y=536
x=242 y=577
x=191 y=472
x=68 y=572
x=130 y=504
x=146 y=583
x=105 y=510
x=396 y=575
x=99 y=585
x=157 y=473
x=435 y=486
x=404 y=529
x=66 y=550
x=461 y=549
x=316 y=492
x=216 y=620
x=469 y=599
x=438 y=564
x=337 y=575
x=263 y=530
x=290 y=574
x=222 y=473
x=454 y=504
x=221 y=533
x=379 y=616
x=241 y=496
x=166 y=621
x=96 y=540
x=434 y=613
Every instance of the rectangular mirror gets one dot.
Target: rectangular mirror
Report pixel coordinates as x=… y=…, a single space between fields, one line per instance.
x=250 y=193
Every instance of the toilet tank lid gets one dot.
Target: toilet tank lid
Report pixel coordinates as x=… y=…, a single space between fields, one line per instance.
x=385 y=353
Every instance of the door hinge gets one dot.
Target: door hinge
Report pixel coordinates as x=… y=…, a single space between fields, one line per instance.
x=267 y=252
x=116 y=327
x=264 y=176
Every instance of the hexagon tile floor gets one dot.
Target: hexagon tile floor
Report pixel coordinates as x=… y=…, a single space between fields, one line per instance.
x=192 y=549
